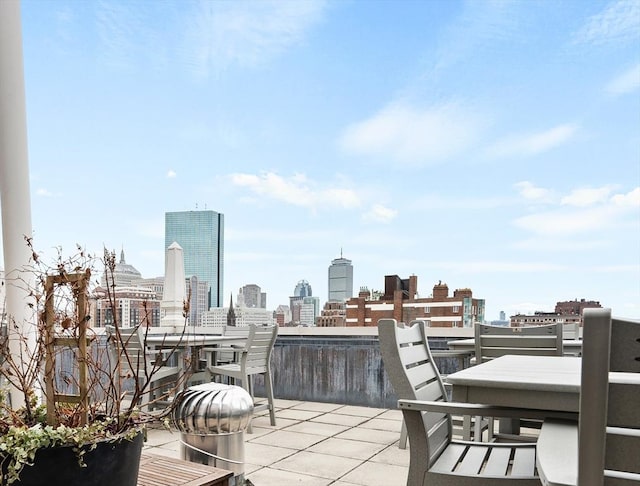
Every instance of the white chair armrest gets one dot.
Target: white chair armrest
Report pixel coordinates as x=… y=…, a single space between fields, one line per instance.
x=227 y=349
x=212 y=354
x=458 y=408
x=451 y=353
x=557 y=453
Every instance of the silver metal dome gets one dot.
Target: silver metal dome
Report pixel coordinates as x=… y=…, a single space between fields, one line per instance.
x=212 y=408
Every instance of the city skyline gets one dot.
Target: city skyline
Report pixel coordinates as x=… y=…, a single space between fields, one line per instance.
x=488 y=145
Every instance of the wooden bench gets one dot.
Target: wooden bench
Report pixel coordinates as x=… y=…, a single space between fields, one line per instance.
x=166 y=471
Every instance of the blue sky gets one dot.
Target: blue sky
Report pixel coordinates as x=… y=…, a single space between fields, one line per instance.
x=491 y=145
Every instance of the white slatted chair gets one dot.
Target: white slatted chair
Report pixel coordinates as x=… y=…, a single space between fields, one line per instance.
x=254 y=358
x=467 y=422
x=435 y=458
x=604 y=447
x=228 y=354
x=494 y=341
x=131 y=358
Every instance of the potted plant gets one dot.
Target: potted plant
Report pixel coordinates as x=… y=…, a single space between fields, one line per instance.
x=77 y=426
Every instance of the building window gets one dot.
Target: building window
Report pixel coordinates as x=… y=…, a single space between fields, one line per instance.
x=427 y=310
x=455 y=308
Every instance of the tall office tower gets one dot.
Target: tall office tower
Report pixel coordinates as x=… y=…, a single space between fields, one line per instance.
x=201 y=236
x=251 y=296
x=303 y=289
x=340 y=280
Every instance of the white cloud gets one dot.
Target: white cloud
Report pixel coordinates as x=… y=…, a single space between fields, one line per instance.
x=42 y=192
x=531 y=192
x=276 y=235
x=628 y=200
x=533 y=143
x=618 y=23
x=587 y=196
x=627 y=82
x=297 y=190
x=564 y=222
x=380 y=214
x=479 y=27
x=528 y=308
x=497 y=266
x=220 y=34
x=617 y=268
x=543 y=244
x=171 y=174
x=430 y=202
x=414 y=136
x=584 y=210
x=123 y=33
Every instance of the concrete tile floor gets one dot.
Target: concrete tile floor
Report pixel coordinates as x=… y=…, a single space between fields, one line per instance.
x=316 y=444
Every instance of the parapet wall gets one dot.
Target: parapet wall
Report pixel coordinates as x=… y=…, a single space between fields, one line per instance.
x=337 y=369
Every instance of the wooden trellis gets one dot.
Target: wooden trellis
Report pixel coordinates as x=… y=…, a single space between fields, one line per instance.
x=78 y=283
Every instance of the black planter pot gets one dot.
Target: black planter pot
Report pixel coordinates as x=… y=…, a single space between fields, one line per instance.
x=109 y=464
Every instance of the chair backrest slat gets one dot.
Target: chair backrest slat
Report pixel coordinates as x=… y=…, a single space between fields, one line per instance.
x=625 y=339
x=571 y=330
x=414 y=376
x=609 y=430
x=495 y=341
x=259 y=346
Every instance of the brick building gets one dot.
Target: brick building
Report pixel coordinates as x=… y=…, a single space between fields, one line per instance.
x=400 y=301
x=332 y=315
x=565 y=313
x=576 y=306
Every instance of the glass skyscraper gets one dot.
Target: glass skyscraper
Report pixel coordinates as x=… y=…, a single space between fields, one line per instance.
x=201 y=236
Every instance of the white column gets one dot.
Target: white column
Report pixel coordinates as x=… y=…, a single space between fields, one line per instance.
x=15 y=197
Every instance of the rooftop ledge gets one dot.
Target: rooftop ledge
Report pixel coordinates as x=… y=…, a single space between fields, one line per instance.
x=447 y=332
x=313 y=331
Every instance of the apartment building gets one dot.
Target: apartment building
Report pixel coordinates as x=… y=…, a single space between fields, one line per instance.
x=134 y=306
x=401 y=301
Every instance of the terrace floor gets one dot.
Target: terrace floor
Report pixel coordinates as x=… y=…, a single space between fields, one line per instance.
x=316 y=444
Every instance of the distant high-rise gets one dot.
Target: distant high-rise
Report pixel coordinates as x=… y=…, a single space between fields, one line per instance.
x=123 y=274
x=340 y=280
x=251 y=296
x=201 y=236
x=303 y=289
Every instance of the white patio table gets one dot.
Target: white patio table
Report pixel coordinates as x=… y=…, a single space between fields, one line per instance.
x=191 y=344
x=537 y=382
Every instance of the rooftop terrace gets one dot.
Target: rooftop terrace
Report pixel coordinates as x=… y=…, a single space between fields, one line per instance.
x=316 y=444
